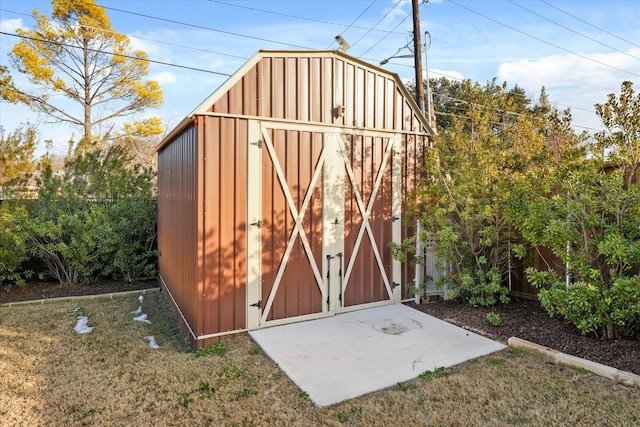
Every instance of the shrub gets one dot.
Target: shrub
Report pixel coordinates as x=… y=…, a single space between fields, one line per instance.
x=95 y=219
x=494 y=319
x=481 y=288
x=13 y=250
x=72 y=243
x=593 y=308
x=134 y=223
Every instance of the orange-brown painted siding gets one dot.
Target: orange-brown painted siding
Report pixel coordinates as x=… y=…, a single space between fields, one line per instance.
x=310 y=89
x=366 y=283
x=298 y=153
x=224 y=254
x=202 y=180
x=178 y=230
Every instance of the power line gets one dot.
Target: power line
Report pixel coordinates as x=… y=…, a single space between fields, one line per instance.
x=131 y=36
x=392 y=31
x=377 y=23
x=589 y=23
x=205 y=28
x=542 y=40
x=168 y=64
x=439 y=113
x=359 y=16
x=573 y=31
x=303 y=18
x=385 y=36
x=211 y=29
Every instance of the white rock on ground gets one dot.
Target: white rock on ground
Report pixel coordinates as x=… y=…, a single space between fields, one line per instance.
x=142 y=318
x=81 y=326
x=152 y=341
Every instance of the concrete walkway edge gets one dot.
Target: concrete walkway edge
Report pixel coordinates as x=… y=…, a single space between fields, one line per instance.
x=82 y=297
x=574 y=362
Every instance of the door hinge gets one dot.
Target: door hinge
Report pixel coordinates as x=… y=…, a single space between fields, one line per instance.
x=257 y=224
x=257 y=143
x=394 y=218
x=257 y=304
x=394 y=285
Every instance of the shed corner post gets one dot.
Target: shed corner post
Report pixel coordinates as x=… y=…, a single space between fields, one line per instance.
x=253 y=225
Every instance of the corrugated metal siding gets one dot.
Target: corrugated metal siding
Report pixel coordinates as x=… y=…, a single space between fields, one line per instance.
x=178 y=205
x=366 y=283
x=202 y=181
x=223 y=295
x=298 y=154
x=303 y=88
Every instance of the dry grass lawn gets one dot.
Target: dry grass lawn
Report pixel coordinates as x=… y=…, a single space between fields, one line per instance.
x=49 y=375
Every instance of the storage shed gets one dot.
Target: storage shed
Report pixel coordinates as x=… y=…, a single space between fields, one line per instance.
x=279 y=195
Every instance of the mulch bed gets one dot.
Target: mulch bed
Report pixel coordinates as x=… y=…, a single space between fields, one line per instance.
x=45 y=290
x=528 y=320
x=520 y=318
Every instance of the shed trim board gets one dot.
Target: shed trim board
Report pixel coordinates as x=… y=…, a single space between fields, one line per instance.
x=277 y=204
x=293 y=124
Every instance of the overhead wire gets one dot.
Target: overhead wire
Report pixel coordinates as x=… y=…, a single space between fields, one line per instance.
x=542 y=40
x=385 y=36
x=590 y=24
x=277 y=42
x=571 y=30
x=202 y=27
x=424 y=2
x=376 y=24
x=303 y=18
x=356 y=20
x=359 y=16
x=115 y=54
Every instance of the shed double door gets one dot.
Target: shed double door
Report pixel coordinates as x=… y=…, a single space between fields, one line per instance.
x=322 y=207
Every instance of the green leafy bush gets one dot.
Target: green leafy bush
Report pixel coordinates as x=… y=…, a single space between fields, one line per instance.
x=97 y=218
x=13 y=250
x=494 y=319
x=606 y=312
x=478 y=288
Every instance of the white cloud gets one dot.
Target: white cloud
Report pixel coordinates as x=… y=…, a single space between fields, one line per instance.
x=574 y=81
x=11 y=25
x=164 y=77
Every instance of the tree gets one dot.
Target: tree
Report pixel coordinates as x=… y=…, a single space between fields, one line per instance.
x=488 y=139
x=620 y=141
x=77 y=55
x=585 y=209
x=16 y=158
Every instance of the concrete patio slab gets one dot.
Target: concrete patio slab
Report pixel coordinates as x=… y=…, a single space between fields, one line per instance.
x=355 y=353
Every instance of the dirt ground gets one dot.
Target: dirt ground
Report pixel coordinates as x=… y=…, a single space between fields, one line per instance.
x=111 y=377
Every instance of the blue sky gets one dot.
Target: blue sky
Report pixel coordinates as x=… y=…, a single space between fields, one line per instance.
x=579 y=50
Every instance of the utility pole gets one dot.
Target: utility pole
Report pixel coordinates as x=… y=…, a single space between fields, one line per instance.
x=417 y=55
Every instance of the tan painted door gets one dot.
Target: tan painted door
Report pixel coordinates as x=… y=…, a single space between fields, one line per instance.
x=321 y=209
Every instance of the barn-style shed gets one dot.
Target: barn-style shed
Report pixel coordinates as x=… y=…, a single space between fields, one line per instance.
x=279 y=195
